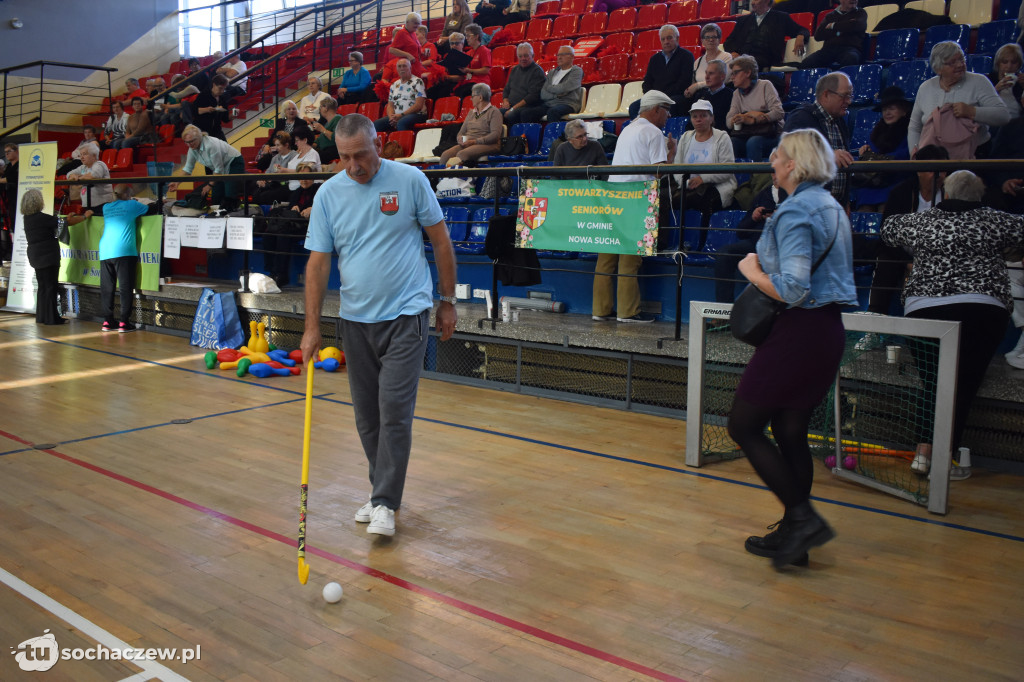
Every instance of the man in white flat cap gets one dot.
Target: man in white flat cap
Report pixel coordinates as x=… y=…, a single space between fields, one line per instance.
x=641 y=143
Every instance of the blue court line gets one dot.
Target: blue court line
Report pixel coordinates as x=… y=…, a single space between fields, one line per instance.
x=557 y=446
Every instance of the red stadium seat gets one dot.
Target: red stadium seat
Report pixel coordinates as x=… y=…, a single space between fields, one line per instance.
x=638 y=65
x=504 y=56
x=552 y=8
x=124 y=160
x=447 y=105
x=617 y=43
x=346 y=109
x=714 y=9
x=805 y=19
x=564 y=26
x=467 y=108
x=593 y=23
x=387 y=33
x=517 y=32
x=589 y=66
x=370 y=110
x=689 y=35
x=538 y=29
x=108 y=157
x=499 y=75
x=622 y=19
x=727 y=27
x=367 y=39
x=612 y=69
x=821 y=15
x=576 y=7
x=406 y=138
x=651 y=16
x=647 y=41
x=685 y=12
x=552 y=46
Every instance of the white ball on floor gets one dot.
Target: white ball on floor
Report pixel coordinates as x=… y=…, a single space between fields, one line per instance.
x=332 y=593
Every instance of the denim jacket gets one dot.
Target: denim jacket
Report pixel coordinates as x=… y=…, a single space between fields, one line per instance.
x=795 y=236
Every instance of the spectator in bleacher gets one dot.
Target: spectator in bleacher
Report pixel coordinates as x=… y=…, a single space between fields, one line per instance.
x=520 y=100
x=518 y=10
x=748 y=231
x=309 y=105
x=407 y=102
x=711 y=40
x=705 y=192
x=210 y=107
x=827 y=114
x=669 y=72
x=491 y=13
x=218 y=158
x=917 y=194
x=562 y=93
x=174 y=109
x=612 y=5
x=641 y=143
x=139 y=129
x=480 y=133
x=113 y=129
x=1006 y=77
x=89 y=135
x=133 y=89
x=288 y=124
x=302 y=138
x=234 y=67
x=578 y=149
x=959 y=275
x=716 y=91
x=405 y=45
x=453 y=72
x=290 y=222
x=40 y=230
x=93 y=196
x=325 y=140
x=762 y=35
x=285 y=160
x=202 y=80
x=842 y=31
x=433 y=72
x=479 y=68
x=9 y=192
x=970 y=95
x=755 y=112
x=356 y=83
x=456 y=22
x=888 y=137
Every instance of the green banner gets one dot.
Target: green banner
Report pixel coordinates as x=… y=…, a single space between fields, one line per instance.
x=80 y=262
x=267 y=123
x=589 y=215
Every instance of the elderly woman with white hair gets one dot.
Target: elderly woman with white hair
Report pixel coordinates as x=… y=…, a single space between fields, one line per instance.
x=43 y=255
x=405 y=44
x=960 y=275
x=480 y=133
x=970 y=96
x=804 y=259
x=309 y=106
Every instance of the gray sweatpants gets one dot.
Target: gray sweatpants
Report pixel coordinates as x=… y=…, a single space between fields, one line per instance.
x=383 y=361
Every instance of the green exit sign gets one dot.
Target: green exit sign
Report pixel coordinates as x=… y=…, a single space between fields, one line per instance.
x=336 y=73
x=267 y=123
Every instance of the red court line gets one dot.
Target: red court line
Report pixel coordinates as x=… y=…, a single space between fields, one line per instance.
x=373 y=572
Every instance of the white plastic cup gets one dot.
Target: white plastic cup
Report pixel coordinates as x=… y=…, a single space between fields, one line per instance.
x=964 y=457
x=465 y=139
x=892 y=354
x=737 y=126
x=506 y=311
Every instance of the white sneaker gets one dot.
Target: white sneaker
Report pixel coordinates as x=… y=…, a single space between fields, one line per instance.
x=364 y=513
x=921 y=464
x=869 y=341
x=1015 y=361
x=382 y=521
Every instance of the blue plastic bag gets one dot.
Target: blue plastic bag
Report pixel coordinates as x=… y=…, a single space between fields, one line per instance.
x=216 y=324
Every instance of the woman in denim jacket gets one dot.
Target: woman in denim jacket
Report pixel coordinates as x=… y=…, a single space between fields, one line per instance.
x=791 y=372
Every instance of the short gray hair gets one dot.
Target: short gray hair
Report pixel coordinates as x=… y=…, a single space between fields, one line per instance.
x=668 y=28
x=711 y=28
x=329 y=103
x=353 y=125
x=89 y=147
x=482 y=90
x=472 y=30
x=573 y=127
x=719 y=65
x=814 y=157
x=31 y=202
x=456 y=37
x=414 y=15
x=963 y=185
x=829 y=82
x=942 y=52
x=524 y=46
x=357 y=55
x=572 y=50
x=745 y=63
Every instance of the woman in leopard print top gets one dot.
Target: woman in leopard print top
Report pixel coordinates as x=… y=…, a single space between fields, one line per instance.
x=960 y=275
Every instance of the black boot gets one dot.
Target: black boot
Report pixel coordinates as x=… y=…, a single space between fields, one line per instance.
x=802 y=529
x=768 y=545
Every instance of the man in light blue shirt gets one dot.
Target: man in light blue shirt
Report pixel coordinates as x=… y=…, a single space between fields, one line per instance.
x=371 y=214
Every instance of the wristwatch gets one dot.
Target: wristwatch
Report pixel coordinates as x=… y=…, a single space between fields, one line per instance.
x=448 y=299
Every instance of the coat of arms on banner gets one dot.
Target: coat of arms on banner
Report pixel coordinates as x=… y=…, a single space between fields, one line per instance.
x=389 y=203
x=535 y=210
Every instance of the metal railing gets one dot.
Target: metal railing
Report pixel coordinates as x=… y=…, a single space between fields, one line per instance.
x=46 y=96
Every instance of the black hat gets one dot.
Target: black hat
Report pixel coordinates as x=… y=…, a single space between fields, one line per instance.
x=893 y=95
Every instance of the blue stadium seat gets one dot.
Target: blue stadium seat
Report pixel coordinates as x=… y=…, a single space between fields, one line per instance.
x=1009 y=9
x=743 y=177
x=979 y=63
x=960 y=33
x=552 y=131
x=457 y=220
x=721 y=231
x=897 y=45
x=995 y=34
x=867 y=82
x=862 y=126
x=801 y=87
x=866 y=226
x=532 y=132
x=477 y=232
x=910 y=75
x=676 y=126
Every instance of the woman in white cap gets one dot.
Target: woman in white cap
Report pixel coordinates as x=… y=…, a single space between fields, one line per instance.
x=706 y=192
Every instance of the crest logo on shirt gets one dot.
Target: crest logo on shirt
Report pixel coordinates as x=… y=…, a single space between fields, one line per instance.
x=535 y=212
x=389 y=203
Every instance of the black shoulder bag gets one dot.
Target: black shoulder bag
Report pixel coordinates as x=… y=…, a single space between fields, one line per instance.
x=754 y=311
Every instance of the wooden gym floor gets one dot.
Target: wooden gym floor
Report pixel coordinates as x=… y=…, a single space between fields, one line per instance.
x=540 y=540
